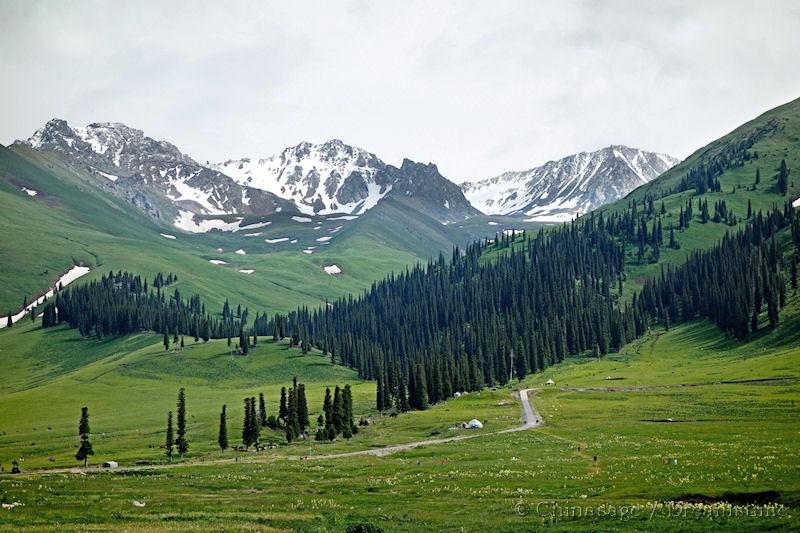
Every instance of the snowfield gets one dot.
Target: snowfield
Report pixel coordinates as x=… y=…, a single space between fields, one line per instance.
x=332 y=270
x=29 y=192
x=275 y=241
x=168 y=236
x=217 y=262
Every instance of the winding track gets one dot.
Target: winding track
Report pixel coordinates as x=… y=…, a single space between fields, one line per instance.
x=530 y=419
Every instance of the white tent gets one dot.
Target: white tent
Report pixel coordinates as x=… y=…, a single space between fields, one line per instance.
x=550 y=382
x=110 y=464
x=475 y=424
x=456 y=395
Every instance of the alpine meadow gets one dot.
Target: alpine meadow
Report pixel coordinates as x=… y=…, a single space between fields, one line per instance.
x=505 y=318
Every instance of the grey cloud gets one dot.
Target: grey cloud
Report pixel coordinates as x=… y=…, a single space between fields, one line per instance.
x=477 y=87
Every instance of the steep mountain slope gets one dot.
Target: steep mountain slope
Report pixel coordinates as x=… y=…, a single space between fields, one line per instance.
x=563 y=189
x=756 y=148
x=334 y=177
x=153 y=175
x=54 y=214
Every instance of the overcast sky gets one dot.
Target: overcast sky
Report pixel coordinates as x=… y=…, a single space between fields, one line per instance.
x=476 y=87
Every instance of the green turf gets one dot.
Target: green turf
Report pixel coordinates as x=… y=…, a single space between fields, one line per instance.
x=737 y=439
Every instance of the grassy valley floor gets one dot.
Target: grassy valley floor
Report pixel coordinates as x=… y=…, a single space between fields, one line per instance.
x=607 y=458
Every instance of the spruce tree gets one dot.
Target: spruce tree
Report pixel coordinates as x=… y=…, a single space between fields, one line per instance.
x=262 y=410
x=247 y=431
x=337 y=413
x=347 y=400
x=302 y=407
x=379 y=395
x=222 y=438
x=85 y=449
x=181 y=442
x=166 y=342
x=254 y=427
x=327 y=409
x=283 y=410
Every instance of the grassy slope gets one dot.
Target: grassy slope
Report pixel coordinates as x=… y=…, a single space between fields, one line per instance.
x=731 y=439
x=783 y=143
x=72 y=220
x=112 y=375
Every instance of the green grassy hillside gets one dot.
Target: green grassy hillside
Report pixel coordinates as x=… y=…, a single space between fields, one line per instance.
x=774 y=136
x=73 y=220
x=607 y=457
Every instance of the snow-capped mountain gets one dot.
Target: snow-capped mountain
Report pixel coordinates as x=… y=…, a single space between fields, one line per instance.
x=319 y=178
x=334 y=177
x=563 y=189
x=152 y=174
x=327 y=178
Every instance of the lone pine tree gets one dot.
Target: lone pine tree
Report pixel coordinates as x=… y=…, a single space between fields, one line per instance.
x=85 y=449
x=262 y=410
x=181 y=442
x=222 y=437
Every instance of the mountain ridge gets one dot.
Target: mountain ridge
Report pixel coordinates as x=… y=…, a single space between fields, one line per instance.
x=565 y=188
x=307 y=178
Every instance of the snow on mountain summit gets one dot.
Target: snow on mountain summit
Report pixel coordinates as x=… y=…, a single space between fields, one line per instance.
x=153 y=175
x=323 y=178
x=566 y=188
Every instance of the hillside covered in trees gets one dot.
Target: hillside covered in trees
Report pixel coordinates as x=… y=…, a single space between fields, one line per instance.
x=470 y=323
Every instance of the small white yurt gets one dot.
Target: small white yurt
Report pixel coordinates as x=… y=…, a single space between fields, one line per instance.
x=475 y=424
x=110 y=464
x=550 y=382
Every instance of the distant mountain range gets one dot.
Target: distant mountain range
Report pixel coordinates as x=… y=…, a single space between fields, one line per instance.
x=333 y=177
x=309 y=179
x=563 y=189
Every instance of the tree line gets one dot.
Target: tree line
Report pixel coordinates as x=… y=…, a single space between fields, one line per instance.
x=507 y=308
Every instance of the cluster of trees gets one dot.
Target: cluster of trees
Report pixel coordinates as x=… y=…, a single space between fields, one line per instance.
x=337 y=417
x=121 y=303
x=703 y=175
x=729 y=284
x=181 y=442
x=471 y=322
x=292 y=416
x=293 y=410
x=446 y=327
